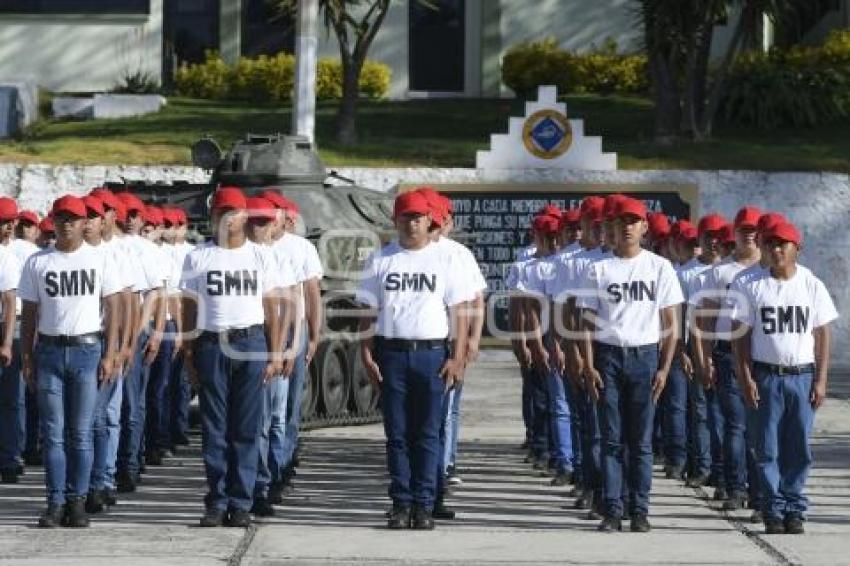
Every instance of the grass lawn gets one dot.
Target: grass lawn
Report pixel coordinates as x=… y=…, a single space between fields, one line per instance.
x=441 y=133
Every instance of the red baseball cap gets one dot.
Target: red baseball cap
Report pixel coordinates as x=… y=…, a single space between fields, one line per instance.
x=571 y=217
x=435 y=201
x=413 y=202
x=230 y=198
x=592 y=208
x=545 y=224
x=107 y=197
x=786 y=232
x=768 y=220
x=747 y=217
x=676 y=228
x=28 y=216
x=131 y=202
x=448 y=205
x=550 y=210
x=630 y=207
x=609 y=211
x=711 y=223
x=95 y=204
x=688 y=233
x=181 y=216
x=71 y=205
x=8 y=209
x=659 y=225
x=727 y=234
x=259 y=207
x=274 y=197
x=46 y=225
x=154 y=215
x=120 y=211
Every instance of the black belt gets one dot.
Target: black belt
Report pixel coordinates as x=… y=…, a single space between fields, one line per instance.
x=627 y=349
x=784 y=370
x=231 y=333
x=723 y=346
x=409 y=345
x=64 y=340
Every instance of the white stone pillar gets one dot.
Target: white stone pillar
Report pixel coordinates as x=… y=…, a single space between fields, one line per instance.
x=306 y=58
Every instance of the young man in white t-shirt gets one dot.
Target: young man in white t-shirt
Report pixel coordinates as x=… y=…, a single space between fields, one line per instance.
x=62 y=289
x=12 y=410
x=232 y=348
x=630 y=303
x=781 y=320
x=412 y=356
x=717 y=363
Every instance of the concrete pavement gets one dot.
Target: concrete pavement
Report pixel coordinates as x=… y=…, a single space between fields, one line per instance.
x=507 y=514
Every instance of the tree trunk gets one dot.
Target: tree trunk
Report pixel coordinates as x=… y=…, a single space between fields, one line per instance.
x=347 y=115
x=665 y=92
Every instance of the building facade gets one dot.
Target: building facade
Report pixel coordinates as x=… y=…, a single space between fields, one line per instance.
x=92 y=45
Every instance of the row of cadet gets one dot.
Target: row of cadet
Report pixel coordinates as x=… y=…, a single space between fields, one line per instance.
x=109 y=315
x=703 y=347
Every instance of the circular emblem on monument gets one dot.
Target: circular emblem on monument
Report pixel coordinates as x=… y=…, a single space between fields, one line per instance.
x=547 y=134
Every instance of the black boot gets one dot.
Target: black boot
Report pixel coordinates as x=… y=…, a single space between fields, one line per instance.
x=421 y=519
x=238 y=518
x=442 y=512
x=52 y=516
x=212 y=518
x=125 y=481
x=75 y=513
x=262 y=507
x=94 y=502
x=398 y=518
x=610 y=525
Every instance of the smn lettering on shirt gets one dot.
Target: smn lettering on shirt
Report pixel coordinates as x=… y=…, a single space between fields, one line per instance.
x=791 y=320
x=631 y=291
x=238 y=282
x=70 y=283
x=417 y=282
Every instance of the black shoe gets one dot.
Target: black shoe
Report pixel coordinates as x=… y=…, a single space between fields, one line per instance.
x=524 y=445
x=75 y=513
x=421 y=519
x=561 y=479
x=674 y=472
x=538 y=465
x=262 y=507
x=94 y=502
x=698 y=480
x=773 y=526
x=166 y=453
x=582 y=501
x=238 y=518
x=593 y=515
x=399 y=518
x=52 y=516
x=153 y=458
x=453 y=478
x=720 y=494
x=640 y=524
x=627 y=515
x=212 y=518
x=794 y=525
x=180 y=440
x=756 y=517
x=530 y=458
x=32 y=458
x=610 y=524
x=109 y=497
x=736 y=501
x=19 y=469
x=125 y=482
x=8 y=475
x=442 y=512
x=276 y=493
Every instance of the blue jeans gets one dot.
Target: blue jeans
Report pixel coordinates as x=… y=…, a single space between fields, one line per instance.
x=783 y=421
x=452 y=426
x=180 y=395
x=158 y=410
x=67 y=392
x=527 y=405
x=413 y=401
x=231 y=399
x=560 y=445
x=284 y=442
x=133 y=411
x=715 y=435
x=699 y=444
x=675 y=401
x=540 y=429
x=106 y=432
x=12 y=412
x=274 y=417
x=576 y=424
x=591 y=444
x=627 y=374
x=735 y=424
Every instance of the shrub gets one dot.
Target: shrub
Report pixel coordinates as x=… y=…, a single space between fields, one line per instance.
x=137 y=82
x=800 y=86
x=531 y=64
x=272 y=78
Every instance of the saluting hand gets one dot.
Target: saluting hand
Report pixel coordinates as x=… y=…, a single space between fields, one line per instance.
x=593 y=380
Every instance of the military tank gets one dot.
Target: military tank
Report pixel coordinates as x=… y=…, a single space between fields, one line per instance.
x=345 y=222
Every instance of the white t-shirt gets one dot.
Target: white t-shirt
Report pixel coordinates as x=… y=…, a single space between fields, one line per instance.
x=10 y=273
x=301 y=254
x=570 y=273
x=526 y=253
x=712 y=285
x=515 y=274
x=23 y=249
x=154 y=262
x=471 y=267
x=412 y=288
x=628 y=295
x=230 y=284
x=782 y=314
x=68 y=288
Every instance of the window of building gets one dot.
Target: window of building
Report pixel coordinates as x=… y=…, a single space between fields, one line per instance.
x=437 y=45
x=264 y=30
x=75 y=6
x=189 y=30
